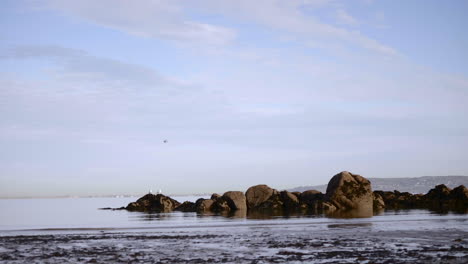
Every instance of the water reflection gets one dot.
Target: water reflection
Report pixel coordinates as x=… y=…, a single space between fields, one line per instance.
x=440 y=211
x=355 y=225
x=250 y=215
x=276 y=214
x=232 y=214
x=356 y=213
x=151 y=216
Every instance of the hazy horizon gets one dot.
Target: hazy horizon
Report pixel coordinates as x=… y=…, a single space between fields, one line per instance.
x=286 y=93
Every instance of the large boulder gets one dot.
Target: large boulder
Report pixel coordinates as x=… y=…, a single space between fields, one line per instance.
x=263 y=197
x=349 y=191
x=236 y=200
x=203 y=205
x=153 y=203
x=258 y=194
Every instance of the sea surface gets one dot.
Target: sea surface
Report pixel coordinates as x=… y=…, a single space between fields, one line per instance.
x=71 y=230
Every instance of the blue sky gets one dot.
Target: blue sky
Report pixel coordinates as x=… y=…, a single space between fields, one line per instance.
x=285 y=93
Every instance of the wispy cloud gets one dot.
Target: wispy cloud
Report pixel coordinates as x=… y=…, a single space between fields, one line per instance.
x=289 y=16
x=171 y=20
x=345 y=18
x=154 y=19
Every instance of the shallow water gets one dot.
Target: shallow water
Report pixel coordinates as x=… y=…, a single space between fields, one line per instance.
x=74 y=230
x=80 y=214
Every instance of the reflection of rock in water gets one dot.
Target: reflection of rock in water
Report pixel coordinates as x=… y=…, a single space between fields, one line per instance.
x=228 y=214
x=350 y=225
x=356 y=213
x=151 y=216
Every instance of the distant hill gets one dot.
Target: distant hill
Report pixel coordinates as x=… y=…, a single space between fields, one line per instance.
x=413 y=185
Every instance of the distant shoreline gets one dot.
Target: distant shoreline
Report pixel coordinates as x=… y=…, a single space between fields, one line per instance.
x=95 y=196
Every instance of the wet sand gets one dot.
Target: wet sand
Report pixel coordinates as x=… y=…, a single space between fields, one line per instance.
x=299 y=243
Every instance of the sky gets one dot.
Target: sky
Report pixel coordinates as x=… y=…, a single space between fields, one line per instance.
x=284 y=93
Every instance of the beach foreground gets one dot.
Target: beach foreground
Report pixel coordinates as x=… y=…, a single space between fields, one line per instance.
x=270 y=243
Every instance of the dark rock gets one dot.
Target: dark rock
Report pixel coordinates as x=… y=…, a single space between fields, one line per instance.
x=311 y=196
x=236 y=200
x=220 y=205
x=328 y=206
x=311 y=199
x=399 y=200
x=349 y=191
x=263 y=197
x=378 y=201
x=214 y=196
x=203 y=205
x=153 y=203
x=298 y=194
x=289 y=200
x=459 y=193
x=440 y=198
x=186 y=207
x=439 y=193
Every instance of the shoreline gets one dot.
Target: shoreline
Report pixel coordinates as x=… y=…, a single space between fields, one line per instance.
x=332 y=243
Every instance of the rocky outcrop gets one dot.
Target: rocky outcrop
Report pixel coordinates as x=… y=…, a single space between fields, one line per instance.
x=153 y=203
x=345 y=192
x=439 y=198
x=349 y=191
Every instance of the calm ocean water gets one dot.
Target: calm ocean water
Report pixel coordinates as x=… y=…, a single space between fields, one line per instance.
x=26 y=216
